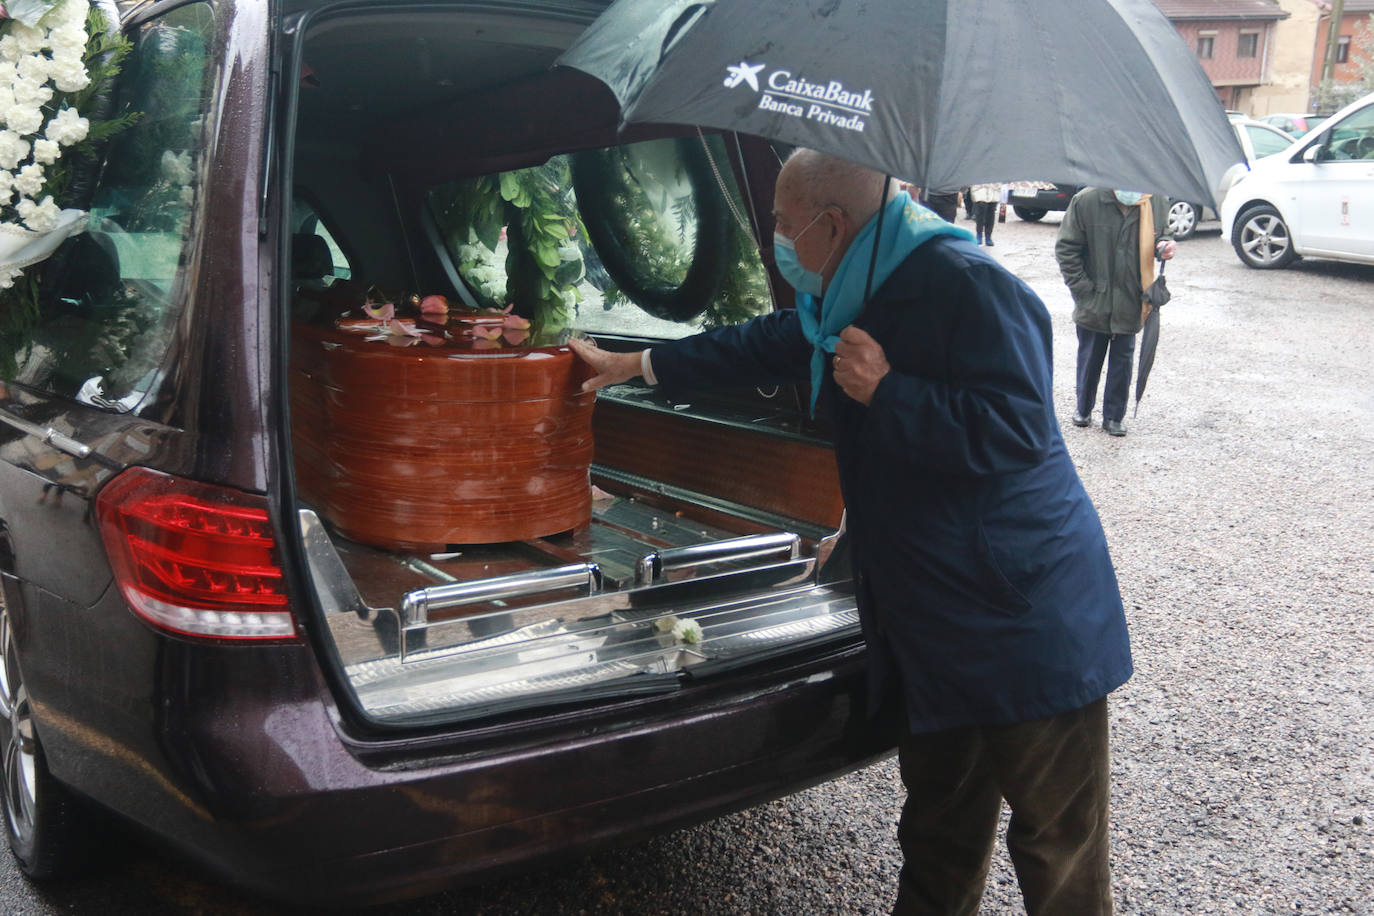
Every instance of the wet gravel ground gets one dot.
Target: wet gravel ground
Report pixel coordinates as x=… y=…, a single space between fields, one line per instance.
x=1240 y=511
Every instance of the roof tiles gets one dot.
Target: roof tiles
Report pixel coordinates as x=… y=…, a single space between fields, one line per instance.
x=1224 y=9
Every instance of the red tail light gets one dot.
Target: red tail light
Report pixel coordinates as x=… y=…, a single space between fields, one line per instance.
x=194 y=558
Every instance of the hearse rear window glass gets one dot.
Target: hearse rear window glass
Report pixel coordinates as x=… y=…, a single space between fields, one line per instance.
x=646 y=239
x=106 y=316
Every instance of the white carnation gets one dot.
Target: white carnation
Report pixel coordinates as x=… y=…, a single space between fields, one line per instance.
x=67 y=42
x=8 y=71
x=24 y=119
x=33 y=67
x=39 y=217
x=176 y=167
x=13 y=148
x=67 y=127
x=30 y=92
x=71 y=13
x=28 y=40
x=29 y=181
x=46 y=151
x=6 y=95
x=9 y=49
x=69 y=76
x=687 y=631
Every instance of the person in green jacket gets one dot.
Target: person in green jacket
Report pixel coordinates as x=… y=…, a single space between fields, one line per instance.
x=1107 y=262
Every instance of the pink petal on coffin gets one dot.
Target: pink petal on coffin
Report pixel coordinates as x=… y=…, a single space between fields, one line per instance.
x=434 y=305
x=515 y=335
x=382 y=311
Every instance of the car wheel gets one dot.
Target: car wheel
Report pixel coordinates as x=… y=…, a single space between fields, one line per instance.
x=1262 y=240
x=1030 y=214
x=1183 y=220
x=47 y=826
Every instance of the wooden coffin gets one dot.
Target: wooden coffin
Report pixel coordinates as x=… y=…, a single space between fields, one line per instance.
x=421 y=447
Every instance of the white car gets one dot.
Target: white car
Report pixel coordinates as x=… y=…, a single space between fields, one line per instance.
x=1258 y=140
x=1313 y=200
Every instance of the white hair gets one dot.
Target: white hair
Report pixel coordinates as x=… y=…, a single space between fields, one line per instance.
x=829 y=181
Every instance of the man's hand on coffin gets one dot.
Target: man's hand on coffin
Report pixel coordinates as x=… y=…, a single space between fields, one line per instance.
x=610 y=368
x=860 y=364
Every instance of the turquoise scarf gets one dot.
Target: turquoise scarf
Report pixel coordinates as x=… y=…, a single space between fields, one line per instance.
x=906 y=225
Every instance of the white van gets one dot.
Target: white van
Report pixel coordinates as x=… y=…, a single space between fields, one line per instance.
x=1316 y=200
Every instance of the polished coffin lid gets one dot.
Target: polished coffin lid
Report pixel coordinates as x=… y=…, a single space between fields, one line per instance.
x=419 y=443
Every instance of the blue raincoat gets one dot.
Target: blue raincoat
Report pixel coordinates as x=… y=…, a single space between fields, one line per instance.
x=985 y=588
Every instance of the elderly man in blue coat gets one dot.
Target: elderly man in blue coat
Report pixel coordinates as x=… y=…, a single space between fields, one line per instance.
x=987 y=595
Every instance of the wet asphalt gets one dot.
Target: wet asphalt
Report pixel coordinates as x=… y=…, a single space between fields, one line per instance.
x=1240 y=512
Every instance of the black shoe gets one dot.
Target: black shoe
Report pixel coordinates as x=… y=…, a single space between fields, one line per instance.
x=1082 y=419
x=1114 y=427
x=989 y=243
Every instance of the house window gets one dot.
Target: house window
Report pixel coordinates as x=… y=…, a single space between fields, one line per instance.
x=1343 y=49
x=1204 y=46
x=1249 y=44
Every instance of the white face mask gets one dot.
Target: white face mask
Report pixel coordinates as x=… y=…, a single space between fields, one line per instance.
x=1128 y=198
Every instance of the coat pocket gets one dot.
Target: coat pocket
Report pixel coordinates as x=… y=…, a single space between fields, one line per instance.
x=1001 y=592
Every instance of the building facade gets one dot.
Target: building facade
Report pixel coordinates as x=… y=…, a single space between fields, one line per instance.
x=1351 y=53
x=1234 y=41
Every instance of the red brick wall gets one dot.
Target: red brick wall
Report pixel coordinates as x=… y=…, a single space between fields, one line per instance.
x=1346 y=72
x=1224 y=66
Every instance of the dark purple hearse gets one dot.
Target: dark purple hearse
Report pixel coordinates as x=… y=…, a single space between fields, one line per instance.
x=199 y=642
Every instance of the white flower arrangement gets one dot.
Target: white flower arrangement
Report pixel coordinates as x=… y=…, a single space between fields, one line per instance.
x=683 y=630
x=42 y=58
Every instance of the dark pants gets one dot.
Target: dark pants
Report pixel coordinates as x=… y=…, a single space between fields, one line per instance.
x=984 y=215
x=1054 y=775
x=1119 y=351
x=944 y=203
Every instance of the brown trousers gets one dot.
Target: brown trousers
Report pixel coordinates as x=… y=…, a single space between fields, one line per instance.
x=1054 y=775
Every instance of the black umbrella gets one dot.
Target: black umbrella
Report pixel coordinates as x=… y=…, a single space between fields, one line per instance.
x=942 y=93
x=1155 y=296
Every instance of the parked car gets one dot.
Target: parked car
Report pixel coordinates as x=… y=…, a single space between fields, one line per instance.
x=1311 y=201
x=1296 y=125
x=261 y=595
x=1257 y=140
x=1032 y=200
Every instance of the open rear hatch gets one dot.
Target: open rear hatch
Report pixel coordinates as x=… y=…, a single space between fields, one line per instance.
x=681 y=546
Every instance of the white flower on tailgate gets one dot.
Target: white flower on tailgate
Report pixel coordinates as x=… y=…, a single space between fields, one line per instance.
x=687 y=631
x=29 y=181
x=39 y=217
x=46 y=152
x=24 y=119
x=13 y=148
x=67 y=127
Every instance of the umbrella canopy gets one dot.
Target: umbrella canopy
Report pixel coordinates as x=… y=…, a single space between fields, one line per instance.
x=941 y=93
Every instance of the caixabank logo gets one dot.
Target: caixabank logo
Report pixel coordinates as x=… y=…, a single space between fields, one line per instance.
x=782 y=92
